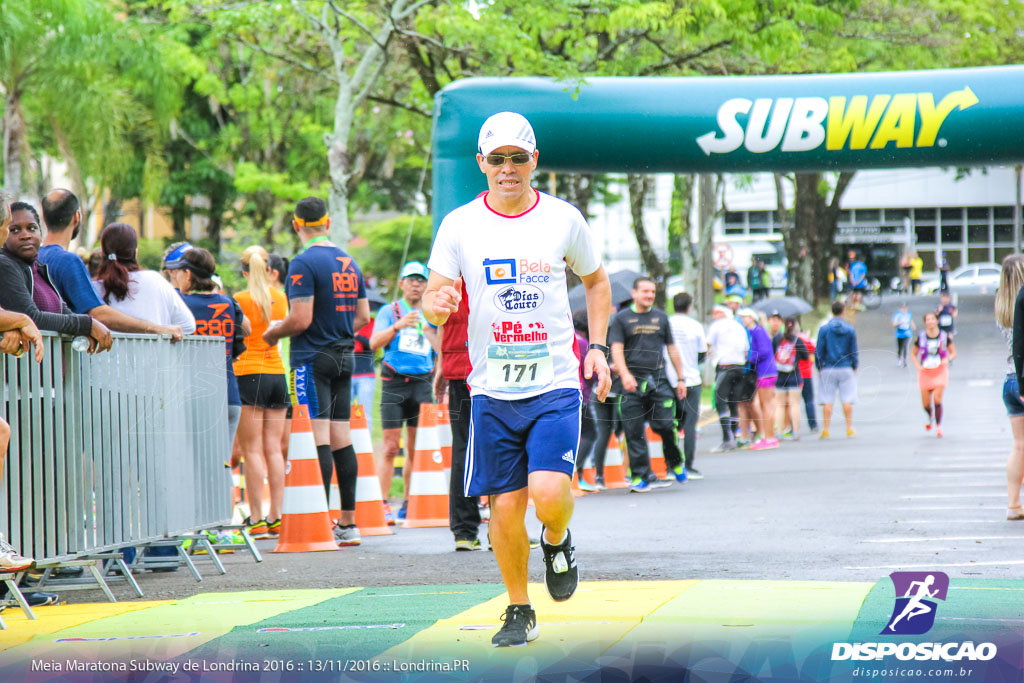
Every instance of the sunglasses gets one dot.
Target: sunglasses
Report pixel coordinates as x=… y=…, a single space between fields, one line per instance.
x=518 y=159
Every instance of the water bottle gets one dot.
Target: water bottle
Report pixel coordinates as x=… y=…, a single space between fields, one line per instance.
x=80 y=344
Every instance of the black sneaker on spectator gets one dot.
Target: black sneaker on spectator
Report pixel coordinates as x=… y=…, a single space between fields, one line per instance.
x=40 y=598
x=519 y=629
x=10 y=560
x=561 y=575
x=692 y=473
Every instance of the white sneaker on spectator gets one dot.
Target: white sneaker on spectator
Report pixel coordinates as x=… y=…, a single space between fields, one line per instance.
x=10 y=560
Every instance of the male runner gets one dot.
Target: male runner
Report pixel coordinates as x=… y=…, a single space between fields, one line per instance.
x=512 y=245
x=327 y=299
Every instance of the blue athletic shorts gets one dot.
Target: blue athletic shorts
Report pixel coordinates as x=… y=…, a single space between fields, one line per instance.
x=510 y=439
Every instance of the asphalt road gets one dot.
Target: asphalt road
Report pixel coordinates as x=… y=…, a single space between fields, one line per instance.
x=895 y=497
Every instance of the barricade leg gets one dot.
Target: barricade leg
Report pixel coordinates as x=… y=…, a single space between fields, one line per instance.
x=98 y=575
x=188 y=562
x=12 y=586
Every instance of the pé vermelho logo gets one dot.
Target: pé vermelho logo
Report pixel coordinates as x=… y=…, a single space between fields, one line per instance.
x=916 y=593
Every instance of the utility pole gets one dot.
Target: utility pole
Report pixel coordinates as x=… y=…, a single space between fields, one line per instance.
x=1017 y=207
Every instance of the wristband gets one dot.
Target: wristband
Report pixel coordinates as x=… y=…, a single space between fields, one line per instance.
x=600 y=347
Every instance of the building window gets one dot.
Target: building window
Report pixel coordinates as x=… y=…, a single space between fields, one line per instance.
x=928 y=259
x=1003 y=232
x=924 y=215
x=977 y=254
x=977 y=234
x=1001 y=253
x=952 y=234
x=978 y=213
x=845 y=216
x=867 y=215
x=925 y=233
x=896 y=215
x=954 y=258
x=1003 y=212
x=952 y=216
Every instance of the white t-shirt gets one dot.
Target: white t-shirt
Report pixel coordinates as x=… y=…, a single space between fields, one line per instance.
x=521 y=338
x=689 y=339
x=151 y=297
x=729 y=341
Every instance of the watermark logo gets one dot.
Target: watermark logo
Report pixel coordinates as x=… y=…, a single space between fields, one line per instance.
x=916 y=593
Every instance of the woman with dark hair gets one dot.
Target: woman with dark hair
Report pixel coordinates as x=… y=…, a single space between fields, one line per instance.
x=18 y=334
x=25 y=285
x=216 y=315
x=790 y=351
x=124 y=286
x=933 y=350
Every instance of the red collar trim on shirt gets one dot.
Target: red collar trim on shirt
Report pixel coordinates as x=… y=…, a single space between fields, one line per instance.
x=537 y=201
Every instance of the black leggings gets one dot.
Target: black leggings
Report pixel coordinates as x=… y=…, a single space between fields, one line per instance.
x=606 y=421
x=901 y=348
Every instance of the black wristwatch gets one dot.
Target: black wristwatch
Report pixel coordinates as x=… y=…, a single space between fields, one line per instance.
x=600 y=347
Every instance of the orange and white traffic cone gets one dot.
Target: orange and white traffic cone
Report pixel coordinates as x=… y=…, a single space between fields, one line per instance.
x=305 y=523
x=428 y=486
x=369 y=501
x=656 y=448
x=614 y=466
x=444 y=434
x=589 y=471
x=577 y=492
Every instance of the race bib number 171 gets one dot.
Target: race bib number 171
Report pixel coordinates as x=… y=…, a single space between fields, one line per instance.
x=519 y=367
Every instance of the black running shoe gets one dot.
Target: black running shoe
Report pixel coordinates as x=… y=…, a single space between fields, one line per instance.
x=519 y=629
x=561 y=575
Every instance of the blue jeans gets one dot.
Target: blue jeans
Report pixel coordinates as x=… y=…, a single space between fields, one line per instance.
x=808 y=394
x=363 y=391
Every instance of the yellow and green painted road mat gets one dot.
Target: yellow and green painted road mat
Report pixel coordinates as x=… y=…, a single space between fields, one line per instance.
x=610 y=630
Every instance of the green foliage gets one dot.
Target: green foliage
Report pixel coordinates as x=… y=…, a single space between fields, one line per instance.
x=385 y=242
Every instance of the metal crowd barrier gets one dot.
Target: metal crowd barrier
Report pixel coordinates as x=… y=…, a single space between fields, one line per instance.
x=114 y=449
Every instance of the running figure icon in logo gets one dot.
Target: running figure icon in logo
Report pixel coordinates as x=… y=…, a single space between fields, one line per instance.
x=916 y=588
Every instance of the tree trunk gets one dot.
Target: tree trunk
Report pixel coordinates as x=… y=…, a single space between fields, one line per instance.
x=656 y=270
x=680 y=230
x=816 y=217
x=708 y=211
x=77 y=179
x=799 y=271
x=14 y=143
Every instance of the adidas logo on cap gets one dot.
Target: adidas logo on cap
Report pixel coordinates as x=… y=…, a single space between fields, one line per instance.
x=506 y=129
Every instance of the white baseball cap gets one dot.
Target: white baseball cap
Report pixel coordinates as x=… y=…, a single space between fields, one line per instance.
x=747 y=313
x=724 y=310
x=506 y=128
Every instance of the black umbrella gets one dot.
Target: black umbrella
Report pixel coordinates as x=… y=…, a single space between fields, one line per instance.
x=785 y=306
x=622 y=290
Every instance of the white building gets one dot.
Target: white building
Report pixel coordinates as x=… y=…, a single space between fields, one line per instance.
x=969 y=216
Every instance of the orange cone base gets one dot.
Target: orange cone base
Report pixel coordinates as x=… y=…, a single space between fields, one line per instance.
x=370 y=519
x=577 y=492
x=317 y=537
x=615 y=483
x=427 y=511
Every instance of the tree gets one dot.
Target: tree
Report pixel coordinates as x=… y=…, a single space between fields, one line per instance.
x=80 y=84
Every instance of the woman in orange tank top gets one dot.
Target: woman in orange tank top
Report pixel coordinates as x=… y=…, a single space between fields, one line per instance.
x=264 y=392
